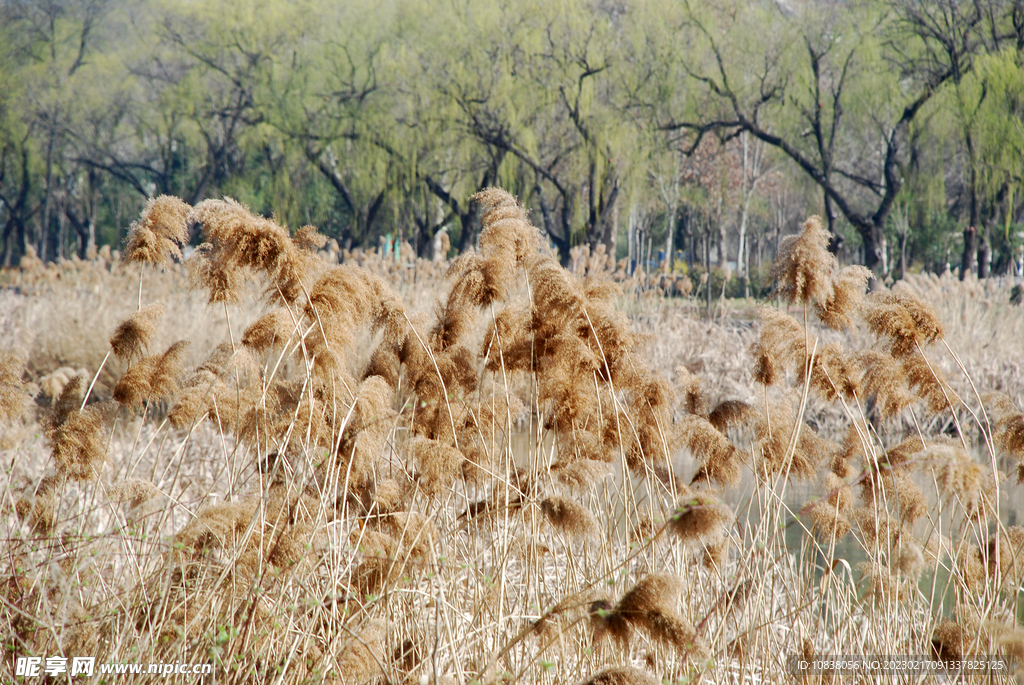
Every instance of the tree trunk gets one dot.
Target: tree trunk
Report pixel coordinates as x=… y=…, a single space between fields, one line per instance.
x=970 y=246
x=670 y=224
x=984 y=254
x=874 y=245
x=44 y=227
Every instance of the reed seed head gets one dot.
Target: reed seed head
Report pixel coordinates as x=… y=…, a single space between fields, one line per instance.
x=581 y=474
x=927 y=380
x=273 y=328
x=906 y=321
x=948 y=641
x=160 y=232
x=622 y=675
x=781 y=339
x=883 y=383
x=13 y=398
x=803 y=268
x=571 y=518
x=700 y=519
x=76 y=435
x=833 y=374
x=439 y=464
x=717 y=456
x=133 y=335
x=845 y=299
x=650 y=605
x=731 y=413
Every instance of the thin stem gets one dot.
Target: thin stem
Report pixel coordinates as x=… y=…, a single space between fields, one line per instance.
x=94 y=379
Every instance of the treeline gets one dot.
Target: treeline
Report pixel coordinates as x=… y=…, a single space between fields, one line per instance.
x=698 y=130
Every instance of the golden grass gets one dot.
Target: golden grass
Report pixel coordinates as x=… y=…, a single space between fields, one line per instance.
x=498 y=469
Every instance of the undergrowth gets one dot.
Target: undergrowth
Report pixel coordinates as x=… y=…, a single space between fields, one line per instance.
x=342 y=489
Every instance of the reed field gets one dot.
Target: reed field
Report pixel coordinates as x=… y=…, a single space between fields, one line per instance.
x=302 y=466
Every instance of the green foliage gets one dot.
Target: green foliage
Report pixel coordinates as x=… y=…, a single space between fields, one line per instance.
x=369 y=119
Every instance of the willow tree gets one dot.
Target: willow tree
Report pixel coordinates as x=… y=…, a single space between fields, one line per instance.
x=988 y=105
x=537 y=83
x=834 y=88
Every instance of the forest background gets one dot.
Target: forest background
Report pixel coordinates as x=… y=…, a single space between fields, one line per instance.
x=702 y=130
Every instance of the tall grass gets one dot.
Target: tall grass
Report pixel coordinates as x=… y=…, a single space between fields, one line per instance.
x=346 y=482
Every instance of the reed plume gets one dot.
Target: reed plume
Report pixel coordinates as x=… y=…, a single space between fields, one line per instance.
x=217 y=526
x=134 y=491
x=782 y=452
x=508 y=242
x=389 y=495
x=76 y=435
x=961 y=479
x=883 y=382
x=508 y=340
x=506 y=230
x=39 y=508
x=1003 y=556
x=1008 y=426
x=273 y=328
x=133 y=335
x=900 y=456
x=235 y=241
x=694 y=399
x=378 y=566
x=13 y=398
x=730 y=413
x=361 y=447
x=650 y=605
x=152 y=379
x=802 y=270
x=833 y=374
x=343 y=299
x=622 y=675
x=926 y=379
x=845 y=299
x=907 y=322
x=581 y=474
x=830 y=515
x=700 y=518
x=717 y=456
x=570 y=517
x=438 y=464
x=160 y=232
x=780 y=343
x=948 y=641
x=416 y=535
x=880 y=533
x=362 y=656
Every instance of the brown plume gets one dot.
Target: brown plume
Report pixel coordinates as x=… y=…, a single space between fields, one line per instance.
x=651 y=605
x=76 y=435
x=569 y=517
x=780 y=342
x=906 y=321
x=159 y=233
x=717 y=456
x=883 y=382
x=1008 y=429
x=622 y=675
x=13 y=398
x=846 y=298
x=152 y=378
x=833 y=374
x=803 y=268
x=700 y=518
x=133 y=335
x=730 y=413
